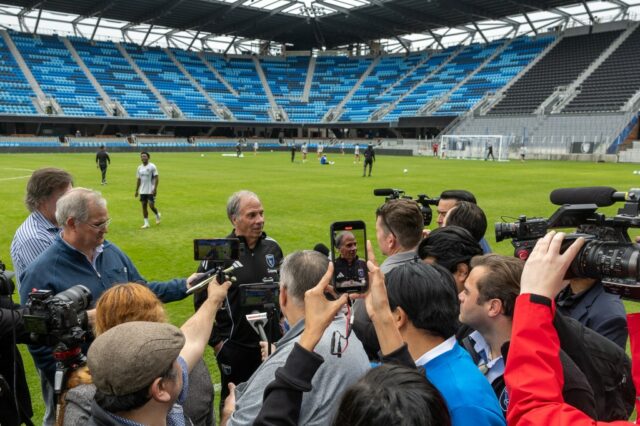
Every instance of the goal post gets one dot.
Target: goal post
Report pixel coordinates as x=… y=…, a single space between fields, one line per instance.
x=474 y=147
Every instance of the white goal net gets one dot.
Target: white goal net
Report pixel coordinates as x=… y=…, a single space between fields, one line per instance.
x=474 y=147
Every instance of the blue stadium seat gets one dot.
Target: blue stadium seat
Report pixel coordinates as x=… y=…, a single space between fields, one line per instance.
x=58 y=74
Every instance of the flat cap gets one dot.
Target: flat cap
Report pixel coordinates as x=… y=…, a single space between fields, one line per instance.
x=130 y=356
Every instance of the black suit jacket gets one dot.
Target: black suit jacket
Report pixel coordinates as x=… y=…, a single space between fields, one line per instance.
x=600 y=311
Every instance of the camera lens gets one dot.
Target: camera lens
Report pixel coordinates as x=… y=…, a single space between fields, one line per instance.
x=427 y=215
x=607 y=259
x=79 y=296
x=506 y=230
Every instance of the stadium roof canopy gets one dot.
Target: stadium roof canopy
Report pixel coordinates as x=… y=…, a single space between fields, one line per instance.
x=238 y=26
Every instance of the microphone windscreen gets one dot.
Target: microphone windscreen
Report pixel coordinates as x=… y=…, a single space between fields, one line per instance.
x=602 y=196
x=321 y=248
x=383 y=191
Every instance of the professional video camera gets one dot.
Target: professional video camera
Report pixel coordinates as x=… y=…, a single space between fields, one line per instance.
x=608 y=254
x=424 y=201
x=60 y=321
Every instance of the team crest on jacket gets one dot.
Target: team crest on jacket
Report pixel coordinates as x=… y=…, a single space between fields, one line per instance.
x=504 y=399
x=271 y=260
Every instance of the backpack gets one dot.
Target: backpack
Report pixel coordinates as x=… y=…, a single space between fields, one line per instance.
x=605 y=365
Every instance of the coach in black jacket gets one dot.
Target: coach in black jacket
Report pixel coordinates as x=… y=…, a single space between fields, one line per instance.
x=236 y=344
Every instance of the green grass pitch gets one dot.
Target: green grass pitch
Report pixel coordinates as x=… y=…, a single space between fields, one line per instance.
x=300 y=201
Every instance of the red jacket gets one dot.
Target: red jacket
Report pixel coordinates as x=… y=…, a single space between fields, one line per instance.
x=533 y=373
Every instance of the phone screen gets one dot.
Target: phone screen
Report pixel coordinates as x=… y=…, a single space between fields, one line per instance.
x=349 y=256
x=220 y=250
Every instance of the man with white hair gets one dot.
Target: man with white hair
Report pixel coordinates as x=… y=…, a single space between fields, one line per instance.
x=81 y=255
x=343 y=364
x=235 y=343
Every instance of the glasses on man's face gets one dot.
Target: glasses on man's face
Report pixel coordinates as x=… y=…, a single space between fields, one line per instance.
x=100 y=226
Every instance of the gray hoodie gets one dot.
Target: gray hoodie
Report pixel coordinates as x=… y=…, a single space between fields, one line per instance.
x=329 y=383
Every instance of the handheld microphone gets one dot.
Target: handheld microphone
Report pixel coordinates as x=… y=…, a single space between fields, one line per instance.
x=386 y=191
x=214 y=274
x=602 y=196
x=321 y=248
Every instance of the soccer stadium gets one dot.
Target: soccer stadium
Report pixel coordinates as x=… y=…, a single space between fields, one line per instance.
x=228 y=95
x=556 y=78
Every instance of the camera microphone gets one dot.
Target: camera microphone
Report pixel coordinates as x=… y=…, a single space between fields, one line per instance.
x=385 y=192
x=602 y=196
x=213 y=274
x=321 y=248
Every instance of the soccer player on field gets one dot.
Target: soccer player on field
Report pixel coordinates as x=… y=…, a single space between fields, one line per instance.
x=147 y=187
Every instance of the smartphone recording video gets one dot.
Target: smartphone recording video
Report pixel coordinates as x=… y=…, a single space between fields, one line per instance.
x=219 y=250
x=349 y=256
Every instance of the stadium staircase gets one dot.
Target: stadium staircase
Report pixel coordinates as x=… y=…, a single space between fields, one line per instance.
x=407 y=74
x=78 y=77
x=333 y=78
x=167 y=108
x=336 y=112
x=217 y=74
x=307 y=84
x=367 y=98
x=494 y=75
x=423 y=67
x=287 y=78
x=600 y=67
x=490 y=99
x=44 y=104
x=562 y=65
x=110 y=106
x=611 y=85
x=217 y=109
x=439 y=104
x=250 y=102
x=176 y=91
x=118 y=79
x=557 y=101
x=276 y=112
x=16 y=95
x=448 y=76
x=392 y=107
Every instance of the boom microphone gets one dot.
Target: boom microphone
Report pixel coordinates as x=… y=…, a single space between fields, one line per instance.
x=321 y=248
x=386 y=191
x=602 y=196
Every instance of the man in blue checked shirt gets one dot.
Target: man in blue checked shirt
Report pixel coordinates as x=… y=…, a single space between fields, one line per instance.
x=40 y=228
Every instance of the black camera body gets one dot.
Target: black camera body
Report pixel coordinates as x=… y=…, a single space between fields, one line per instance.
x=61 y=319
x=608 y=255
x=423 y=200
x=6 y=283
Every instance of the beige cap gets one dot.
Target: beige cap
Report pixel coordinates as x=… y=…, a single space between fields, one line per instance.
x=130 y=356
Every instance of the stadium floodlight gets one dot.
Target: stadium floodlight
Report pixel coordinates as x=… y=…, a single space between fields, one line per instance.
x=474 y=147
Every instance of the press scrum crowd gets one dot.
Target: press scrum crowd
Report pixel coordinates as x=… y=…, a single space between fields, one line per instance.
x=446 y=333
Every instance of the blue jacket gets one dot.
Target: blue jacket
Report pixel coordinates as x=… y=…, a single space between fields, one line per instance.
x=61 y=266
x=468 y=394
